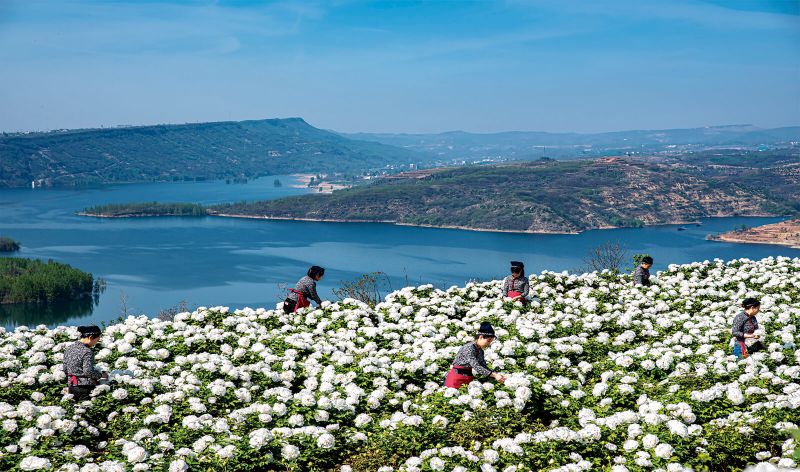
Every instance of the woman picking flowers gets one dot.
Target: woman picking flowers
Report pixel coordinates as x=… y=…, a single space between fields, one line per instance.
x=470 y=361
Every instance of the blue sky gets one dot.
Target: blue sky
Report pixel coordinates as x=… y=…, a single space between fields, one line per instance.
x=560 y=65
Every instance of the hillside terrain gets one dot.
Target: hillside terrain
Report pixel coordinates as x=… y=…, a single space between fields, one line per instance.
x=600 y=374
x=244 y=149
x=526 y=145
x=555 y=196
x=785 y=233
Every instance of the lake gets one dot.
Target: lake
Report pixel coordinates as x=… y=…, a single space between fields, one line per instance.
x=152 y=264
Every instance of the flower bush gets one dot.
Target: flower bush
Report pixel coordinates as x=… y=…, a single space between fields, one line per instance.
x=601 y=375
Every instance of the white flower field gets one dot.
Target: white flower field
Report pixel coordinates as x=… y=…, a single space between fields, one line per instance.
x=602 y=375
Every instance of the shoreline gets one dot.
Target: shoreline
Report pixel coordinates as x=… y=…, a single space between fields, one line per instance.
x=783 y=233
x=728 y=239
x=392 y=222
x=462 y=228
x=719 y=237
x=134 y=215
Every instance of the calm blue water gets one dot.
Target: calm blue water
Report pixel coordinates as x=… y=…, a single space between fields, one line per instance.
x=156 y=263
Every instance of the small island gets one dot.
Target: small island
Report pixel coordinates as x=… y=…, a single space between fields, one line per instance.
x=8 y=245
x=35 y=281
x=784 y=233
x=131 y=210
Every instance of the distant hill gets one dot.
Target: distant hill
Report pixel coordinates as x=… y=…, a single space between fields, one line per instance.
x=188 y=152
x=532 y=144
x=555 y=196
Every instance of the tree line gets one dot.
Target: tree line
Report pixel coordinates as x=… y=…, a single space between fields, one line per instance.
x=36 y=281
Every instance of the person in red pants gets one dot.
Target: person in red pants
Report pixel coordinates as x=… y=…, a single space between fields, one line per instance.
x=516 y=285
x=744 y=328
x=470 y=362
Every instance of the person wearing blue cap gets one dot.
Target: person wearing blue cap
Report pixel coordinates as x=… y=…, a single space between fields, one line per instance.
x=82 y=375
x=516 y=285
x=470 y=360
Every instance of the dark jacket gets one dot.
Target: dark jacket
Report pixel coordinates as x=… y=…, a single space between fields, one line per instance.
x=641 y=276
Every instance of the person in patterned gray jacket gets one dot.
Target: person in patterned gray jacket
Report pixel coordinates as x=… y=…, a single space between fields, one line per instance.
x=470 y=361
x=516 y=285
x=744 y=328
x=641 y=276
x=304 y=291
x=82 y=375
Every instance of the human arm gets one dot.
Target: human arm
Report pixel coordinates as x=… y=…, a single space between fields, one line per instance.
x=88 y=368
x=506 y=287
x=474 y=358
x=312 y=292
x=738 y=326
x=638 y=275
x=526 y=287
x=499 y=377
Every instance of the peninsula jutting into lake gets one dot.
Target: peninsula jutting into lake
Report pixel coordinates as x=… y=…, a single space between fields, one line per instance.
x=785 y=233
x=549 y=196
x=543 y=196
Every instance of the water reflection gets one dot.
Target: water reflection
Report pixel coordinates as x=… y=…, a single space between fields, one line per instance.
x=33 y=314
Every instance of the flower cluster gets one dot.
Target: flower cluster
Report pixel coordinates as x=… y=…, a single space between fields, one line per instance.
x=601 y=374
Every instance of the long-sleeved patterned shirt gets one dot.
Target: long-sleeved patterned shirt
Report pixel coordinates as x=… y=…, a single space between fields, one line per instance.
x=516 y=284
x=641 y=276
x=472 y=356
x=79 y=361
x=742 y=325
x=308 y=287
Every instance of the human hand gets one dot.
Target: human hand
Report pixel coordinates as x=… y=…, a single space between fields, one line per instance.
x=499 y=377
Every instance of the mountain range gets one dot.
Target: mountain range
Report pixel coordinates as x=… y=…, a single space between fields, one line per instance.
x=533 y=144
x=249 y=149
x=243 y=149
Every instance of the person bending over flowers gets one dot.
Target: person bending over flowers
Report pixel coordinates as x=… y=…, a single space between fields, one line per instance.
x=304 y=291
x=745 y=325
x=470 y=361
x=82 y=375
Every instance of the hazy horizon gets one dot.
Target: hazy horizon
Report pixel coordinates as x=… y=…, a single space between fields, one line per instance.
x=139 y=125
x=401 y=67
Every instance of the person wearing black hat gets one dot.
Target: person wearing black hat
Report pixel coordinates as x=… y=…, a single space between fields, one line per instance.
x=304 y=290
x=516 y=285
x=470 y=361
x=82 y=375
x=745 y=325
x=641 y=275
